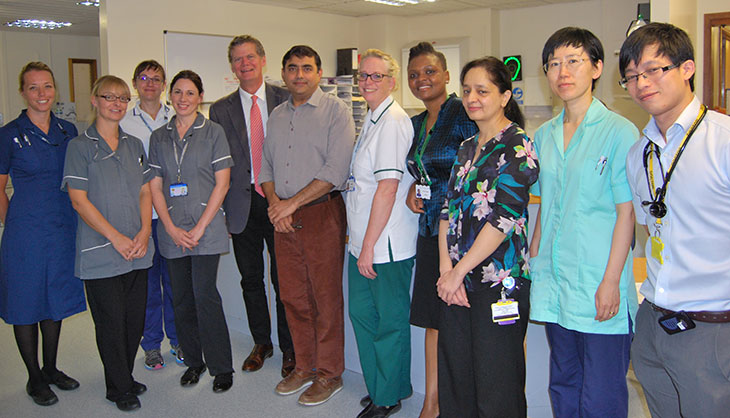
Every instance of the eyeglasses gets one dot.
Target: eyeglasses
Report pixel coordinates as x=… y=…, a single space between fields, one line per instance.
x=113 y=97
x=652 y=74
x=376 y=77
x=153 y=80
x=571 y=63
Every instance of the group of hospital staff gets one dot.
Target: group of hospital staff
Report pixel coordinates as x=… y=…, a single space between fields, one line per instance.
x=446 y=190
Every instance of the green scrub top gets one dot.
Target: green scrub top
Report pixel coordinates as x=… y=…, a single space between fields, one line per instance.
x=579 y=189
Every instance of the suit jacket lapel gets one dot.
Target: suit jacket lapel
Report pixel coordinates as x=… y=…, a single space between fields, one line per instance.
x=235 y=113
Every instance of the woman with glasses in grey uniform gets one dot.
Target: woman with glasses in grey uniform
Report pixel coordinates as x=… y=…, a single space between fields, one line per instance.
x=107 y=179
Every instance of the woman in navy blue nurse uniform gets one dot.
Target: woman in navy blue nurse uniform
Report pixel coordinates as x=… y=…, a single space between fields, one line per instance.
x=37 y=284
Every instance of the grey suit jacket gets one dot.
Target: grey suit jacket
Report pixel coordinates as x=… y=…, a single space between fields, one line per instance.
x=227 y=112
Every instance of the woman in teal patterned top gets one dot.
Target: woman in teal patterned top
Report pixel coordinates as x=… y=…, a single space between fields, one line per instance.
x=483 y=254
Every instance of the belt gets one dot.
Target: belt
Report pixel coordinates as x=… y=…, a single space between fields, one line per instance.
x=702 y=316
x=322 y=199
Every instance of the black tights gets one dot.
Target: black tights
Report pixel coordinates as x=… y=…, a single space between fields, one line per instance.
x=27 y=338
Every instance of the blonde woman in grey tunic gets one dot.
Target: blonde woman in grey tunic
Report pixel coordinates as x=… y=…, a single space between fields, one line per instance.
x=191 y=163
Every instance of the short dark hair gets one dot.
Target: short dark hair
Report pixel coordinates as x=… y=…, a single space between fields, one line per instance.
x=577 y=38
x=148 y=65
x=188 y=75
x=500 y=76
x=242 y=39
x=34 y=66
x=301 y=51
x=671 y=41
x=425 y=48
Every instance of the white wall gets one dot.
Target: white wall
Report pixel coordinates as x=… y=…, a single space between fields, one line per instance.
x=18 y=48
x=132 y=36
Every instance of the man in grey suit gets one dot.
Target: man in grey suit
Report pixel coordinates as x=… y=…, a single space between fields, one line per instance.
x=243 y=115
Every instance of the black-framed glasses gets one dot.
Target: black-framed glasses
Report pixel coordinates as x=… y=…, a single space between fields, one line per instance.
x=652 y=74
x=147 y=79
x=109 y=97
x=376 y=77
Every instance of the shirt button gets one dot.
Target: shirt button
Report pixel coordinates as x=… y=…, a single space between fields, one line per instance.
x=289 y=146
x=661 y=290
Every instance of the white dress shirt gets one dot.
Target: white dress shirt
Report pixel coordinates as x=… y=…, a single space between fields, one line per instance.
x=695 y=274
x=246 y=102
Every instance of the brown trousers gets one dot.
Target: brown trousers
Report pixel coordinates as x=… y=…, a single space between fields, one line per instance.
x=310 y=263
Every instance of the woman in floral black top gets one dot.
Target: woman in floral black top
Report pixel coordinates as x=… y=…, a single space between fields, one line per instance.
x=483 y=254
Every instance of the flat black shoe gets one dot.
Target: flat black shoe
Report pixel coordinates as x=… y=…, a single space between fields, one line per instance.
x=365 y=401
x=222 y=382
x=376 y=411
x=138 y=388
x=61 y=380
x=42 y=395
x=128 y=403
x=367 y=408
x=192 y=375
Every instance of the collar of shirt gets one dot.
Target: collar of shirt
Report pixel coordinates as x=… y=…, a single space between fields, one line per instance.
x=675 y=132
x=200 y=121
x=92 y=133
x=374 y=116
x=162 y=114
x=313 y=100
x=246 y=100
x=596 y=112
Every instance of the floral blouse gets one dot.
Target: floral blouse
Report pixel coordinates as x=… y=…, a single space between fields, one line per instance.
x=494 y=189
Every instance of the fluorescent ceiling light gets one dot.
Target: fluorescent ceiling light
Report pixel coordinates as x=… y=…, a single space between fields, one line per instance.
x=89 y=3
x=37 y=24
x=399 y=3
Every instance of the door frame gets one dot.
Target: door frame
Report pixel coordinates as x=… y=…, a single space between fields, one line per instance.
x=71 y=62
x=711 y=20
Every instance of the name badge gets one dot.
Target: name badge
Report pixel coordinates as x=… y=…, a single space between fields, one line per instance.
x=178 y=189
x=350 y=186
x=423 y=191
x=657 y=246
x=505 y=312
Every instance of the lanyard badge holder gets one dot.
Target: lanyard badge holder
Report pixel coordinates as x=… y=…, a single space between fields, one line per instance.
x=506 y=311
x=423 y=187
x=657 y=207
x=179 y=188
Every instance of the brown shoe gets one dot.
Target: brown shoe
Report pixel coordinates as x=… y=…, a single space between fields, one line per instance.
x=255 y=360
x=295 y=382
x=321 y=390
x=288 y=363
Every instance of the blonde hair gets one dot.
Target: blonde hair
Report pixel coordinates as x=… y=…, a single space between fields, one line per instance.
x=107 y=81
x=34 y=66
x=390 y=63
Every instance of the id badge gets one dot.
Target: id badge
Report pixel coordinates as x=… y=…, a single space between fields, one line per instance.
x=657 y=246
x=505 y=312
x=178 y=189
x=350 y=186
x=423 y=191
x=676 y=322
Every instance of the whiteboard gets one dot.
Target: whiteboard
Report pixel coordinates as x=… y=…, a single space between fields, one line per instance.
x=452 y=54
x=207 y=55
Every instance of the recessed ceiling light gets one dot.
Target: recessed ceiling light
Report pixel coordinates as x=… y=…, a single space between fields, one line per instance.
x=89 y=3
x=399 y=3
x=37 y=24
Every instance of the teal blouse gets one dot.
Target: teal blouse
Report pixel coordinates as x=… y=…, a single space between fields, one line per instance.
x=579 y=189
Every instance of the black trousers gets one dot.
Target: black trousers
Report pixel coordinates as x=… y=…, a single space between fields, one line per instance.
x=248 y=247
x=118 y=308
x=481 y=365
x=199 y=318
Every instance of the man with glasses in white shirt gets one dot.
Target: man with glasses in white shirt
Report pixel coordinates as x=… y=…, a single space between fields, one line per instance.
x=679 y=174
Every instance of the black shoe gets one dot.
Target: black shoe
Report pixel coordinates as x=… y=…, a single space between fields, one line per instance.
x=128 y=403
x=42 y=395
x=222 y=382
x=365 y=401
x=375 y=411
x=61 y=380
x=192 y=375
x=138 y=388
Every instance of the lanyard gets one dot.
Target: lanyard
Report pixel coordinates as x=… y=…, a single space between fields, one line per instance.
x=145 y=122
x=418 y=155
x=657 y=194
x=179 y=161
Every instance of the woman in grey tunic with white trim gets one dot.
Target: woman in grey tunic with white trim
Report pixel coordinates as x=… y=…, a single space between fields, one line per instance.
x=191 y=163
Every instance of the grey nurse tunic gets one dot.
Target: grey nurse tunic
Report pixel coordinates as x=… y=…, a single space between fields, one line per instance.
x=112 y=181
x=201 y=152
